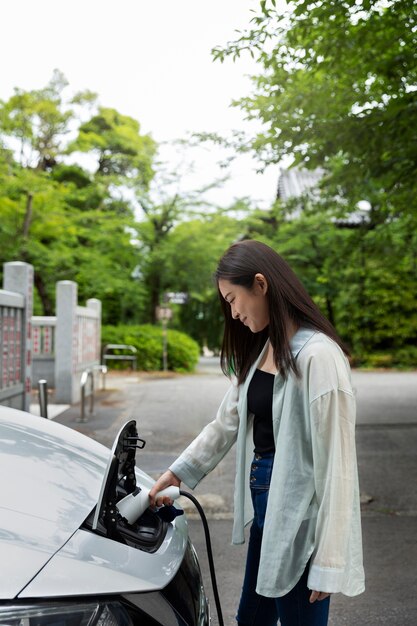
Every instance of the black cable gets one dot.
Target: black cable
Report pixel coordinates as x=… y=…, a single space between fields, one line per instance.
x=209 y=553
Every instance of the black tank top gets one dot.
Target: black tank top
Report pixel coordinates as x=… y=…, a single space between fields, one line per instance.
x=260 y=394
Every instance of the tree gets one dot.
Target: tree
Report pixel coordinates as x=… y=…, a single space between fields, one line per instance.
x=339 y=90
x=68 y=222
x=38 y=121
x=121 y=151
x=362 y=276
x=191 y=256
x=164 y=207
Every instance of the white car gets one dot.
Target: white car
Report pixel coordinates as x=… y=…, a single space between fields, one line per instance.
x=67 y=557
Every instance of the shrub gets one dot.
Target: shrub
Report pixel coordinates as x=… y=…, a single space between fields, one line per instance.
x=403 y=358
x=182 y=351
x=406 y=357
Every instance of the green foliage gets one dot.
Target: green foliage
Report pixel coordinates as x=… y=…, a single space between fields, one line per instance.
x=337 y=90
x=363 y=279
x=120 y=149
x=38 y=121
x=403 y=359
x=183 y=352
x=339 y=83
x=179 y=237
x=191 y=256
x=69 y=223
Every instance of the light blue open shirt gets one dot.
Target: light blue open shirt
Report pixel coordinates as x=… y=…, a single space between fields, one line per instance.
x=313 y=506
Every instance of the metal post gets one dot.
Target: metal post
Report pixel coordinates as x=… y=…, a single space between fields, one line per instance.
x=164 y=344
x=87 y=374
x=164 y=314
x=43 y=397
x=103 y=376
x=103 y=371
x=92 y=394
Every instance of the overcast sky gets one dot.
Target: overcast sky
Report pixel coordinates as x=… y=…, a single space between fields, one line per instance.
x=150 y=60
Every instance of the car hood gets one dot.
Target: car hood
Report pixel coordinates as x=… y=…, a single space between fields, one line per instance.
x=50 y=480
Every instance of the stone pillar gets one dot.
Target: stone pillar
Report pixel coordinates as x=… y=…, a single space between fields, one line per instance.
x=95 y=304
x=18 y=277
x=66 y=388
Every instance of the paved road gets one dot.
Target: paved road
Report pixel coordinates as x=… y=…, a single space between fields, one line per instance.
x=171 y=410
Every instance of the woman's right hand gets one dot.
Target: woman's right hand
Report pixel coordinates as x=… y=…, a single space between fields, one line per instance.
x=166 y=480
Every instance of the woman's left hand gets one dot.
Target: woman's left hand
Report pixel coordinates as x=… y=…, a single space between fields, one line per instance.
x=318 y=595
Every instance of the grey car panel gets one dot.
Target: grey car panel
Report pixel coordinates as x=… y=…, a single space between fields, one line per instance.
x=51 y=477
x=90 y=564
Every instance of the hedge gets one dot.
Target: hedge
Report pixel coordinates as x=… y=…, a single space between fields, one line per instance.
x=182 y=351
x=401 y=359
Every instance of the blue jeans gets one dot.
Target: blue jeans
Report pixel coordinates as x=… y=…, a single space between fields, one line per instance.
x=293 y=609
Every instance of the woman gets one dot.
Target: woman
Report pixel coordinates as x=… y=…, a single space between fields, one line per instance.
x=291 y=410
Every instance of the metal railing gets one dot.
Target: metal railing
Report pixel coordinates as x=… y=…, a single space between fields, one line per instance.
x=132 y=357
x=86 y=376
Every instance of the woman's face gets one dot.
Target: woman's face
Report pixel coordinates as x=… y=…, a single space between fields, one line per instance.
x=250 y=306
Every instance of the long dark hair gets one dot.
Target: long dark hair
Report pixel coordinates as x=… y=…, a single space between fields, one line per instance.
x=288 y=302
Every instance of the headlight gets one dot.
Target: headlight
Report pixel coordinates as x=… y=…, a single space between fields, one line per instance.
x=68 y=614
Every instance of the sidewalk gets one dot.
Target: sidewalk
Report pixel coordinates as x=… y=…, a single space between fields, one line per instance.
x=170 y=410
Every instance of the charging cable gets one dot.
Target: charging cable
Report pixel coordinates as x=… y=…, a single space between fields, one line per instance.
x=132 y=506
x=209 y=553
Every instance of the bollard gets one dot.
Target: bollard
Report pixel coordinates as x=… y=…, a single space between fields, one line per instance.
x=43 y=397
x=87 y=374
x=103 y=371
